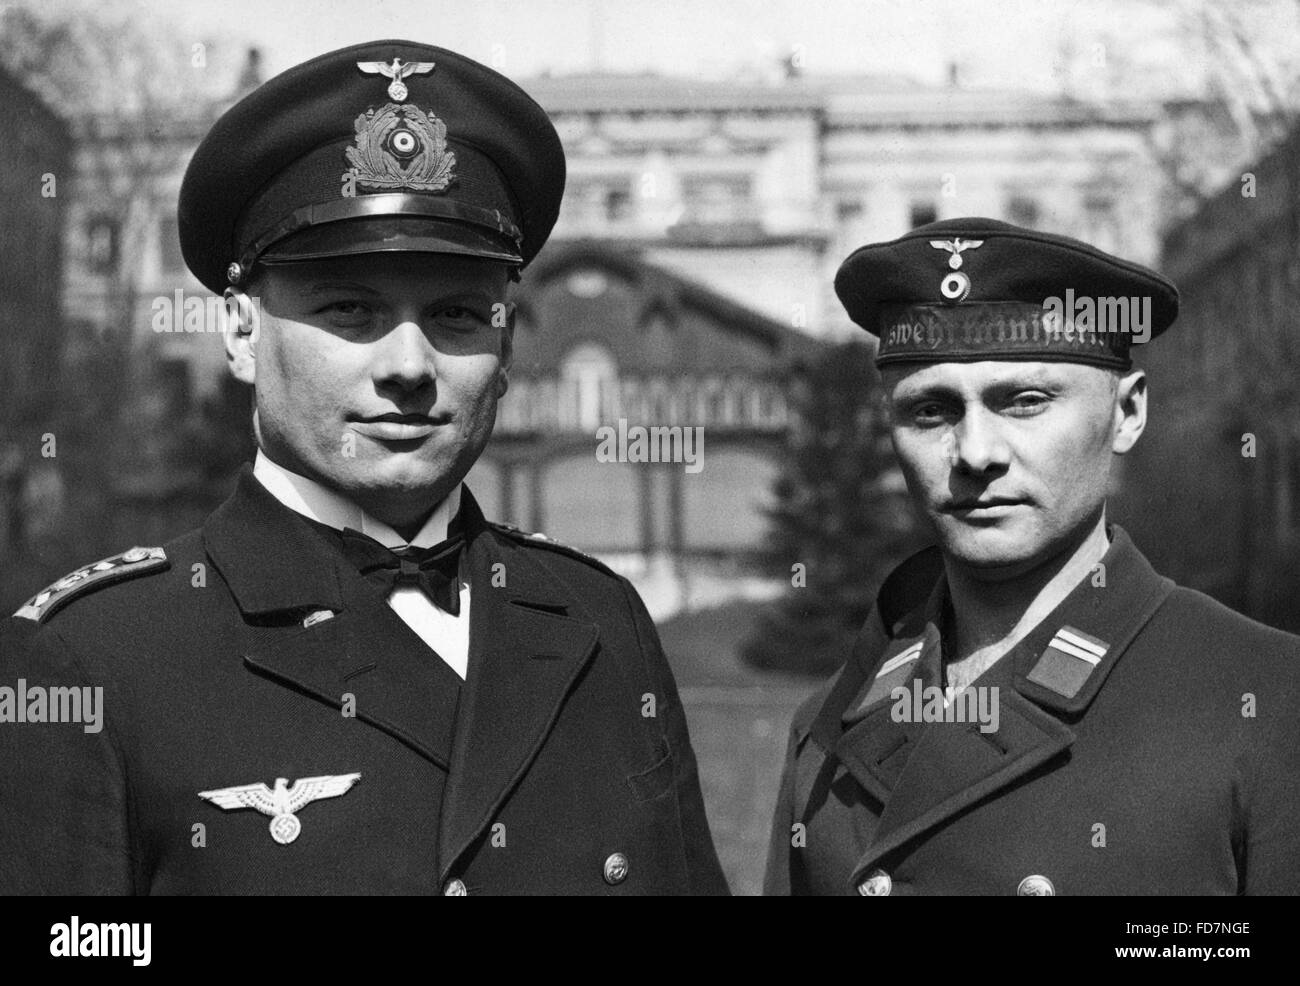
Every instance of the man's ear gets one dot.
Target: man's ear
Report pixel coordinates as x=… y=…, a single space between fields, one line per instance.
x=507 y=350
x=243 y=326
x=1130 y=411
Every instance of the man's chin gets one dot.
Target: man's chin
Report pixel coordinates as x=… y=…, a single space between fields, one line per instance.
x=990 y=554
x=398 y=475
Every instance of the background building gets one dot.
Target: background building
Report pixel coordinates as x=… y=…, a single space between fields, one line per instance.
x=760 y=189
x=1214 y=485
x=607 y=343
x=34 y=194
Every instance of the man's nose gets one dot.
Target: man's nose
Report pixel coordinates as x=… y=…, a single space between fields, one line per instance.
x=978 y=443
x=405 y=358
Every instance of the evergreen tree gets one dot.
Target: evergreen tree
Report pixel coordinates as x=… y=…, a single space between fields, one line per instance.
x=841 y=520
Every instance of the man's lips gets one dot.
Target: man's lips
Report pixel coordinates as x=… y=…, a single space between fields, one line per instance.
x=393 y=427
x=403 y=419
x=981 y=503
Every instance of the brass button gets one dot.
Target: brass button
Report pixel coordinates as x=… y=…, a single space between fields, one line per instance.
x=615 y=869
x=1035 y=886
x=455 y=888
x=877 y=884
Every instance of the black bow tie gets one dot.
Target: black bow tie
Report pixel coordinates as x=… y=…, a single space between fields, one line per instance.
x=435 y=570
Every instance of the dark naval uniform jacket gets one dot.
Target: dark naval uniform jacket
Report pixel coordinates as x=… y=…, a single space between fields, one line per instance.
x=1147 y=742
x=251 y=652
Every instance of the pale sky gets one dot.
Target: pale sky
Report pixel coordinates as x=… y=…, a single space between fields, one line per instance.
x=997 y=43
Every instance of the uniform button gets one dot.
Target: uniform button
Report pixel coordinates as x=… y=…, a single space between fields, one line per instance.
x=455 y=888
x=877 y=884
x=1035 y=886
x=615 y=869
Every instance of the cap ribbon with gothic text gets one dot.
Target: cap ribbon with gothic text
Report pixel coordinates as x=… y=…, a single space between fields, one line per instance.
x=966 y=290
x=383 y=146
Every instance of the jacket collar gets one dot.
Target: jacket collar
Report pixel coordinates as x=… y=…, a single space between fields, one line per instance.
x=1063 y=662
x=317 y=502
x=1060 y=664
x=270 y=557
x=923 y=774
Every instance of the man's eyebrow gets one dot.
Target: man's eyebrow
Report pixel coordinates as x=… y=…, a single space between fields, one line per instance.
x=1027 y=381
x=929 y=390
x=456 y=295
x=468 y=294
x=933 y=391
x=324 y=287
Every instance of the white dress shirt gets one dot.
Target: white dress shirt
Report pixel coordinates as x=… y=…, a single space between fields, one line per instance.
x=448 y=635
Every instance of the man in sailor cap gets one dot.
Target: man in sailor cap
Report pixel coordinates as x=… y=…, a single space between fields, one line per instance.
x=1030 y=708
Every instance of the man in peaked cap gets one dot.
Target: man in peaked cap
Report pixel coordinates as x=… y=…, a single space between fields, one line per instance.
x=348 y=681
x=1030 y=708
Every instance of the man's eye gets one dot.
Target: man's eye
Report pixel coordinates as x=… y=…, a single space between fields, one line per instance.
x=352 y=311
x=1030 y=402
x=929 y=413
x=462 y=315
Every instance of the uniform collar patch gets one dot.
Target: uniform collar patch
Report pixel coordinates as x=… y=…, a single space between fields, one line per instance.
x=1067 y=661
x=1061 y=667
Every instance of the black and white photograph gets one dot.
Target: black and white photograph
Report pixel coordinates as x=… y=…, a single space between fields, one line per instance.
x=633 y=448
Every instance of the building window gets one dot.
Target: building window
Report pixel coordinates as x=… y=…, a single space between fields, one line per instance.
x=717 y=199
x=923 y=213
x=1023 y=211
x=848 y=211
x=1101 y=223
x=618 y=205
x=587 y=283
x=589 y=383
x=102 y=235
x=598 y=200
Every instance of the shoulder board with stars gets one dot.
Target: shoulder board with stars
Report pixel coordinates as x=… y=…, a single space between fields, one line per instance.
x=117 y=568
x=542 y=541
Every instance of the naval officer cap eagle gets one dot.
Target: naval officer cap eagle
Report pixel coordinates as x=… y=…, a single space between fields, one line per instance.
x=383 y=146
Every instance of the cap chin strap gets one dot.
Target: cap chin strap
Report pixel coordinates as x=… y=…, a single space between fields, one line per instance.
x=367 y=206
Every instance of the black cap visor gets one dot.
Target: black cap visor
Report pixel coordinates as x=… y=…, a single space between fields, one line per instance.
x=390 y=234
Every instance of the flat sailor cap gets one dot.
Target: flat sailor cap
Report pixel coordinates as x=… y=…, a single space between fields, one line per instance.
x=383 y=146
x=965 y=290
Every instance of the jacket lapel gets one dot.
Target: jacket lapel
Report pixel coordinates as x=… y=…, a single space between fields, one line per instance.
x=872 y=744
x=924 y=774
x=525 y=654
x=953 y=765
x=269 y=556
x=395 y=682
x=326 y=631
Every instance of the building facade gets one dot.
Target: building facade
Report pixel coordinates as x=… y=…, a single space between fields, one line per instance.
x=34 y=193
x=645 y=422
x=760 y=190
x=1215 y=483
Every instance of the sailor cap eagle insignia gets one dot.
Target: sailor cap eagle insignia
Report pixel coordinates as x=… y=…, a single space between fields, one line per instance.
x=956 y=286
x=282 y=803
